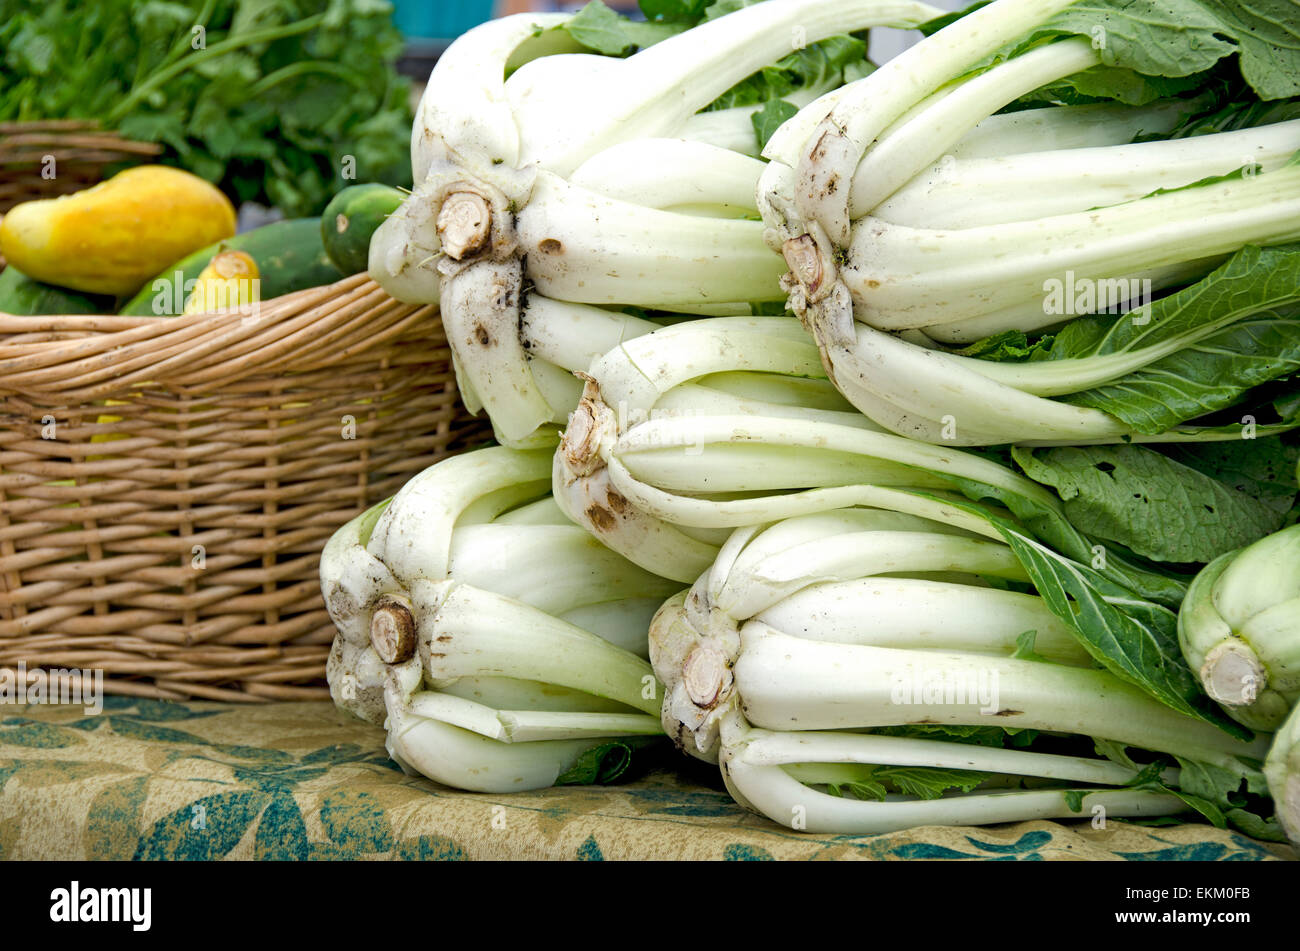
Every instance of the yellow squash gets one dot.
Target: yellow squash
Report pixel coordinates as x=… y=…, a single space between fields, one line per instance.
x=113 y=237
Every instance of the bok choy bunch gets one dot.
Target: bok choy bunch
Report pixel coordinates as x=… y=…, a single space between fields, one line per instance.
x=861 y=670
x=1282 y=768
x=705 y=426
x=502 y=646
x=1239 y=627
x=901 y=240
x=546 y=158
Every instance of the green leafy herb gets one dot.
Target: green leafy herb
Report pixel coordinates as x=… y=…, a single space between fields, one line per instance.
x=863 y=789
x=1218 y=795
x=1009 y=346
x=1251 y=280
x=1208 y=376
x=1130 y=635
x=278 y=102
x=1049 y=524
x=1115 y=752
x=1176 y=38
x=1156 y=48
x=1256 y=826
x=1234 y=115
x=1109 y=84
x=671 y=11
x=929 y=782
x=1209 y=344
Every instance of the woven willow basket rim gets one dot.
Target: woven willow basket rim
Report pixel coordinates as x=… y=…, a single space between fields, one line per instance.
x=81 y=150
x=225 y=432
x=81 y=140
x=93 y=357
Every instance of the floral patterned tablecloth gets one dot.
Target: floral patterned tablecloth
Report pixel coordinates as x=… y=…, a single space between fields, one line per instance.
x=155 y=780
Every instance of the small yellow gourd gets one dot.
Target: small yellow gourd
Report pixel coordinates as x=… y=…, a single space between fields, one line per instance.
x=111 y=238
x=230 y=281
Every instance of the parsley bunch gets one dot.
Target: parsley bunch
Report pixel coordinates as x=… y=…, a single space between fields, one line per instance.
x=277 y=101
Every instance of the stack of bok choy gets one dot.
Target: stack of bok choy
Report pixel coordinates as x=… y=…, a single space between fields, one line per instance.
x=950 y=404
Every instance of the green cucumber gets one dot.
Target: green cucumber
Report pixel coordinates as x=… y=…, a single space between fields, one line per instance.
x=289 y=254
x=24 y=297
x=351 y=218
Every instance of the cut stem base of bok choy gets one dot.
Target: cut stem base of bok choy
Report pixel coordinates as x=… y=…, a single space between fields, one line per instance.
x=1239 y=629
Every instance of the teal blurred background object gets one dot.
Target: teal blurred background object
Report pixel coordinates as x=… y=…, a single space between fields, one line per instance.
x=439 y=19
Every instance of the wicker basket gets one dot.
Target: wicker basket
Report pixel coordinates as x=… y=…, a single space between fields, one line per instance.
x=81 y=150
x=166 y=485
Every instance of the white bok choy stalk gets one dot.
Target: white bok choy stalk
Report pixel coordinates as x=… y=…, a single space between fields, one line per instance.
x=1003 y=169
x=850 y=124
x=957 y=193
x=1283 y=771
x=857 y=145
x=1144 y=375
x=501 y=645
x=1062 y=128
x=988 y=175
x=529 y=370
x=512 y=163
x=846 y=669
x=1038 y=130
x=1239 y=628
x=811 y=782
x=961 y=285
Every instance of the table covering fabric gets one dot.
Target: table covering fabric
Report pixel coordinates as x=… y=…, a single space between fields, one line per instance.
x=147 y=779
